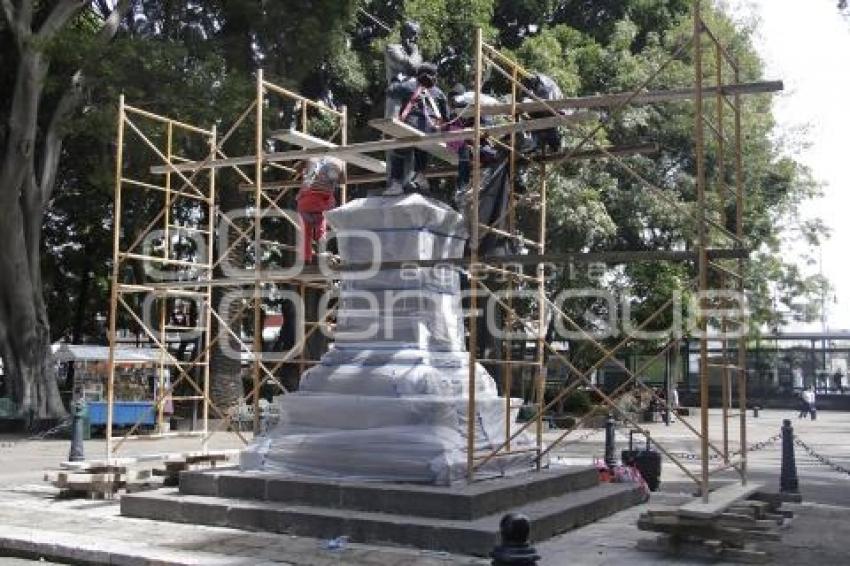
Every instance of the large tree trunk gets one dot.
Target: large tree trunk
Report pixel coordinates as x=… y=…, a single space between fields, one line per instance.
x=226 y=386
x=23 y=316
x=24 y=328
x=23 y=313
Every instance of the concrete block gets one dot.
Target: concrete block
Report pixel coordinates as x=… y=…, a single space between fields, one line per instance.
x=205 y=513
x=199 y=483
x=555 y=484
x=145 y=506
x=491 y=502
x=400 y=500
x=460 y=540
x=405 y=515
x=242 y=486
x=251 y=518
x=306 y=523
x=303 y=492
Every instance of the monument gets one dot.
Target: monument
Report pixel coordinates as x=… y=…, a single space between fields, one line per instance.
x=389 y=400
x=373 y=444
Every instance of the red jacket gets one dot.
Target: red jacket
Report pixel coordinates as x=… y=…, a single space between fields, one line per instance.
x=310 y=200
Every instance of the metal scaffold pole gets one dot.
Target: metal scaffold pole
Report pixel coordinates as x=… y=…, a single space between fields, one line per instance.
x=206 y=312
x=701 y=246
x=742 y=265
x=258 y=250
x=473 y=261
x=113 y=302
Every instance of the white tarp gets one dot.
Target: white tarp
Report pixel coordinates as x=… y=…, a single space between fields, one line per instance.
x=389 y=400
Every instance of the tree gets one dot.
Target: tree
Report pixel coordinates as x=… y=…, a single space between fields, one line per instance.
x=31 y=149
x=596 y=206
x=205 y=52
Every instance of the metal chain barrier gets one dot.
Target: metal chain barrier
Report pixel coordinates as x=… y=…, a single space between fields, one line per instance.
x=580 y=438
x=761 y=445
x=819 y=457
x=63 y=424
x=586 y=435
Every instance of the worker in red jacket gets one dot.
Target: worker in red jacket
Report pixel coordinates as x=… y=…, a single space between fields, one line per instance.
x=322 y=177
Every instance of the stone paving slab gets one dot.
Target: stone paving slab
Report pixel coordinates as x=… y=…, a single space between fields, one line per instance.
x=92 y=531
x=548 y=517
x=36 y=524
x=460 y=501
x=818 y=534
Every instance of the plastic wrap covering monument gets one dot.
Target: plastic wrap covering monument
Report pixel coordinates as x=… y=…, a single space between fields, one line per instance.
x=388 y=401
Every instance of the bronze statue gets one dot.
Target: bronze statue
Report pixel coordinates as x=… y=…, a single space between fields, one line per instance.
x=402 y=60
x=425 y=108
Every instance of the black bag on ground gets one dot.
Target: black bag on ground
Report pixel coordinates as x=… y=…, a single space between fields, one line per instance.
x=647 y=461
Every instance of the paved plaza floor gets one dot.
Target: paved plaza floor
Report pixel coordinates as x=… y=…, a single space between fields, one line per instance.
x=35 y=522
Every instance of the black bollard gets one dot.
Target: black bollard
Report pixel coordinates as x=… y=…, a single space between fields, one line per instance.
x=756 y=411
x=610 y=457
x=788 y=482
x=78 y=412
x=514 y=549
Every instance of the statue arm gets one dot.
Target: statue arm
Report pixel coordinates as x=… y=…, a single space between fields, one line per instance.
x=398 y=61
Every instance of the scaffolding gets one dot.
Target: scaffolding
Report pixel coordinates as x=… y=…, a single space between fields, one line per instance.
x=727 y=328
x=208 y=265
x=718 y=254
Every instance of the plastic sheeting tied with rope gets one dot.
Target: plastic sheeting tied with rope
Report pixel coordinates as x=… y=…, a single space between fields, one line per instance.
x=388 y=402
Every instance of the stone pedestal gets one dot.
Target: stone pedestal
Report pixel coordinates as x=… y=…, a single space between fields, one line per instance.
x=388 y=401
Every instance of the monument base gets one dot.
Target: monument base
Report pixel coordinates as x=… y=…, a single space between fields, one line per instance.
x=462 y=518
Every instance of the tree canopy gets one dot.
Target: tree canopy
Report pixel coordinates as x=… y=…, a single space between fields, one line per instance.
x=194 y=61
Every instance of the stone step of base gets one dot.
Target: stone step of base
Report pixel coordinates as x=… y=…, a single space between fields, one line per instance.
x=460 y=501
x=549 y=517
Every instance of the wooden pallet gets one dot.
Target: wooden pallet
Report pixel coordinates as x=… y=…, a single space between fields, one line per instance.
x=728 y=528
x=99 y=479
x=170 y=472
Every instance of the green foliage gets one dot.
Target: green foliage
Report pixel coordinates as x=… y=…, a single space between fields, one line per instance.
x=448 y=23
x=577 y=403
x=195 y=62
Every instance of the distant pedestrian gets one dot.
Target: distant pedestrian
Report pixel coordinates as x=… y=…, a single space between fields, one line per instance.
x=808 y=403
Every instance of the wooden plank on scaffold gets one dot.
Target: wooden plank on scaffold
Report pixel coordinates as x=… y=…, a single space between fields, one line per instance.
x=304 y=140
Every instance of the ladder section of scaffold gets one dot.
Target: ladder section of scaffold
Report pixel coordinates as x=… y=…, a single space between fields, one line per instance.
x=149 y=310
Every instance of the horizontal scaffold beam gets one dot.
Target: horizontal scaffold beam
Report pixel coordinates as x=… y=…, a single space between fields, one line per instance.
x=419 y=141
x=395 y=128
x=564 y=259
x=648 y=97
x=440 y=172
x=304 y=140
x=313 y=274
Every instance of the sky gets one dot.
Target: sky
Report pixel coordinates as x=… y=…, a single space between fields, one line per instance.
x=807 y=45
